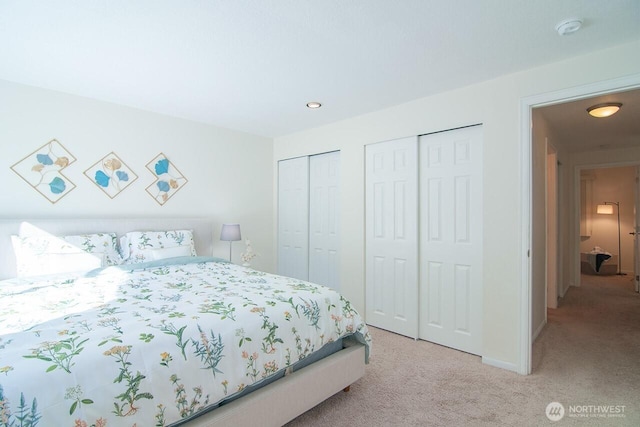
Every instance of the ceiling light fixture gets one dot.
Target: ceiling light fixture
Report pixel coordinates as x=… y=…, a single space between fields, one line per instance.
x=604 y=110
x=313 y=105
x=568 y=26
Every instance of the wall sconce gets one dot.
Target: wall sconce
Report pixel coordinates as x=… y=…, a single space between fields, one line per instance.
x=607 y=209
x=230 y=233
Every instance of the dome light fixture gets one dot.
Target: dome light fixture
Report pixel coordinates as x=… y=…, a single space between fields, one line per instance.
x=313 y=105
x=568 y=26
x=604 y=110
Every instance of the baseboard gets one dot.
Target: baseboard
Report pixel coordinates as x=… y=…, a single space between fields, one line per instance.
x=500 y=364
x=537 y=331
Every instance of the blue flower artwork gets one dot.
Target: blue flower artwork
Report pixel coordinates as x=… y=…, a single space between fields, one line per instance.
x=57 y=185
x=162 y=166
x=168 y=181
x=111 y=175
x=43 y=170
x=102 y=179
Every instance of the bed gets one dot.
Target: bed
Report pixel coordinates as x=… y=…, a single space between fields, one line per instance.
x=598 y=263
x=170 y=338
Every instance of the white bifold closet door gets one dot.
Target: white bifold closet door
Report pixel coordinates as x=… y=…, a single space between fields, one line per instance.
x=392 y=235
x=308 y=218
x=451 y=238
x=424 y=237
x=324 y=224
x=293 y=218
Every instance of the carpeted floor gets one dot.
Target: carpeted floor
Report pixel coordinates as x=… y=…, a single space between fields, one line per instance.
x=588 y=354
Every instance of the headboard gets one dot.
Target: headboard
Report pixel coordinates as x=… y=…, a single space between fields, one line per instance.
x=202 y=232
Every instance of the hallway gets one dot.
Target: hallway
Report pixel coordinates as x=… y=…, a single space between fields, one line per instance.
x=591 y=345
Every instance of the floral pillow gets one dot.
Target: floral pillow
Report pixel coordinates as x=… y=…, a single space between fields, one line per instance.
x=44 y=254
x=143 y=246
x=106 y=243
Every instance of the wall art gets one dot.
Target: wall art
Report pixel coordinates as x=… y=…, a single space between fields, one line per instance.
x=111 y=175
x=42 y=170
x=168 y=181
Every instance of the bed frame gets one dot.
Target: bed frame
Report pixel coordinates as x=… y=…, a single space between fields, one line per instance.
x=273 y=405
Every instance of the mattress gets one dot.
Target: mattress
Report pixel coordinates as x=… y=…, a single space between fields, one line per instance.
x=157 y=343
x=590 y=264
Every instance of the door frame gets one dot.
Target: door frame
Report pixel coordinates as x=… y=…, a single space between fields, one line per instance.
x=636 y=239
x=551 y=228
x=526 y=137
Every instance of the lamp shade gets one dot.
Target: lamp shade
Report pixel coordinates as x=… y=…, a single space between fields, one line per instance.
x=605 y=209
x=230 y=232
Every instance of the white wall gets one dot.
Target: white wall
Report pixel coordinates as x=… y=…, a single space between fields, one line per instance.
x=540 y=135
x=496 y=104
x=613 y=185
x=229 y=178
x=565 y=223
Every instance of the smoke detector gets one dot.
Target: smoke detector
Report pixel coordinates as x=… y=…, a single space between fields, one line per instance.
x=568 y=26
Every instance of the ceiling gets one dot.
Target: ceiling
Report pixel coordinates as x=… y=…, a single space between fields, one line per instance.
x=252 y=65
x=575 y=130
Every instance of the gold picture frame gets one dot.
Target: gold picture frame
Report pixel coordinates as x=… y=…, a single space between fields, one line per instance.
x=111 y=175
x=169 y=180
x=42 y=170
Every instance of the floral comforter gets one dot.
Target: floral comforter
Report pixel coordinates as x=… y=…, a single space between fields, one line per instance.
x=155 y=343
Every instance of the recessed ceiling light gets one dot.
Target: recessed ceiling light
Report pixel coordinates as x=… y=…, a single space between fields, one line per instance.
x=568 y=26
x=313 y=105
x=604 y=110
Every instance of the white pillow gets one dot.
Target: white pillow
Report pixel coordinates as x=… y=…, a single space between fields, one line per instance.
x=178 y=251
x=44 y=254
x=137 y=246
x=81 y=261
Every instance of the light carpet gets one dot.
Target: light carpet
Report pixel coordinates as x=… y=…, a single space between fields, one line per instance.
x=587 y=354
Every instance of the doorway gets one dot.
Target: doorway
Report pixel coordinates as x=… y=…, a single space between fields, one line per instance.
x=533 y=297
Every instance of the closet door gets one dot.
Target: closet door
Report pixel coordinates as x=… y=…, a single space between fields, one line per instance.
x=324 y=220
x=293 y=218
x=451 y=238
x=392 y=235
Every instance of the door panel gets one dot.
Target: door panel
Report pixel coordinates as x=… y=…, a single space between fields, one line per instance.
x=324 y=209
x=451 y=238
x=392 y=235
x=293 y=218
x=432 y=314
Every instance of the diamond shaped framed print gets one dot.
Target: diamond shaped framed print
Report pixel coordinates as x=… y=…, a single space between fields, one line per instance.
x=43 y=170
x=111 y=175
x=168 y=181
